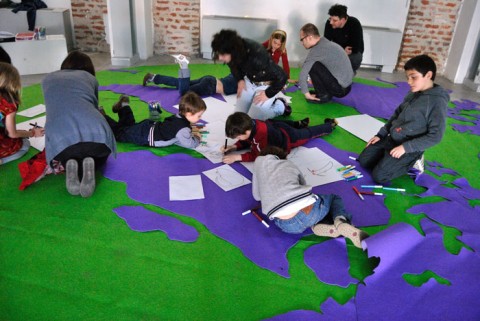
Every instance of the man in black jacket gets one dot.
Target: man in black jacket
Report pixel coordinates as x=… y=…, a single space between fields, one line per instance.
x=347 y=32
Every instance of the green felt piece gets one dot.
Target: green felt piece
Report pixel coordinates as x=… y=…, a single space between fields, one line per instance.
x=63 y=257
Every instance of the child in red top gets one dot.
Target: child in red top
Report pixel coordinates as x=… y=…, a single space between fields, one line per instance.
x=275 y=46
x=256 y=135
x=13 y=142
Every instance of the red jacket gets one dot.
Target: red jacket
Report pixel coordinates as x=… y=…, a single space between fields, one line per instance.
x=276 y=55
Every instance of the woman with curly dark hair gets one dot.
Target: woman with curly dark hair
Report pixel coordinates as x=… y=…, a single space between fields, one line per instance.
x=260 y=79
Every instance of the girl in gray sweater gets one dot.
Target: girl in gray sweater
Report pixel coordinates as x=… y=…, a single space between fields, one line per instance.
x=290 y=203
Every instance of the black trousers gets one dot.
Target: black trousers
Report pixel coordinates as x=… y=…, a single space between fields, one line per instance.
x=385 y=167
x=325 y=83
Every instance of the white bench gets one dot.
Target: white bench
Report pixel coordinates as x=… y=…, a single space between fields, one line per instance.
x=37 y=56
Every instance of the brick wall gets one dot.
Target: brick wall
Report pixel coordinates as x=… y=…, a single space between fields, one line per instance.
x=176 y=26
x=429 y=30
x=88 y=24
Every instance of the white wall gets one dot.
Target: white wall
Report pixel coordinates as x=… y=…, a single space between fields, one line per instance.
x=464 y=42
x=292 y=15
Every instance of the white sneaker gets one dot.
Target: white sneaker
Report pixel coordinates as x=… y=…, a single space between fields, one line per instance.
x=420 y=164
x=182 y=61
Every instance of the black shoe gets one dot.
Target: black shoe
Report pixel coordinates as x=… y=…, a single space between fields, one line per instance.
x=303 y=123
x=325 y=98
x=123 y=99
x=332 y=121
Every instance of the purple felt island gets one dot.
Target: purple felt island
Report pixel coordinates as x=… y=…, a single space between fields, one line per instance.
x=401 y=249
x=142 y=220
x=375 y=101
x=221 y=211
x=329 y=261
x=473 y=118
x=331 y=310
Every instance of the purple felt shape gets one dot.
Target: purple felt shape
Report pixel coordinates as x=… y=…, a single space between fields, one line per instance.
x=466 y=190
x=438 y=169
x=329 y=261
x=474 y=130
x=331 y=311
x=387 y=296
x=435 y=188
x=142 y=220
x=455 y=113
x=459 y=215
x=298 y=315
x=375 y=101
x=220 y=212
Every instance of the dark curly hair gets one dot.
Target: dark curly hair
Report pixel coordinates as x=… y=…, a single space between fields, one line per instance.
x=228 y=41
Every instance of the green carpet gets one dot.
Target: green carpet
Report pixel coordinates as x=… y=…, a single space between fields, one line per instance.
x=63 y=257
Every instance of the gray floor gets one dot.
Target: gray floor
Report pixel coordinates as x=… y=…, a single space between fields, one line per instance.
x=102 y=62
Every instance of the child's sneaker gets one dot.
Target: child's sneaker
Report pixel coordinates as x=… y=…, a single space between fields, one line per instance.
x=72 y=182
x=87 y=186
x=124 y=100
x=182 y=61
x=327 y=230
x=349 y=231
x=148 y=78
x=332 y=121
x=154 y=109
x=420 y=165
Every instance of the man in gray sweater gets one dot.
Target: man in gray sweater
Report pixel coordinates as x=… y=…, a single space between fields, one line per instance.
x=328 y=66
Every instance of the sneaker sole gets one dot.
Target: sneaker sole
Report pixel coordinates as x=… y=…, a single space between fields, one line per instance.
x=72 y=183
x=87 y=186
x=325 y=230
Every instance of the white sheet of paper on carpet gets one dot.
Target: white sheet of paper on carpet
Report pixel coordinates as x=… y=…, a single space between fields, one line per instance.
x=33 y=111
x=317 y=167
x=213 y=141
x=185 y=188
x=35 y=142
x=226 y=177
x=363 y=126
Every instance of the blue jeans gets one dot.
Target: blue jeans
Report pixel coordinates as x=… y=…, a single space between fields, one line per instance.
x=204 y=86
x=271 y=108
x=17 y=154
x=326 y=208
x=126 y=130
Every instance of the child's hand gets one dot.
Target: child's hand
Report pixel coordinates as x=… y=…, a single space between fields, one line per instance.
x=197 y=135
x=397 y=152
x=228 y=149
x=228 y=159
x=373 y=140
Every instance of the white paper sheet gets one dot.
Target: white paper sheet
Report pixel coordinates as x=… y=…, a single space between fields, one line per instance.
x=226 y=177
x=317 y=167
x=33 y=111
x=363 y=126
x=185 y=188
x=35 y=142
